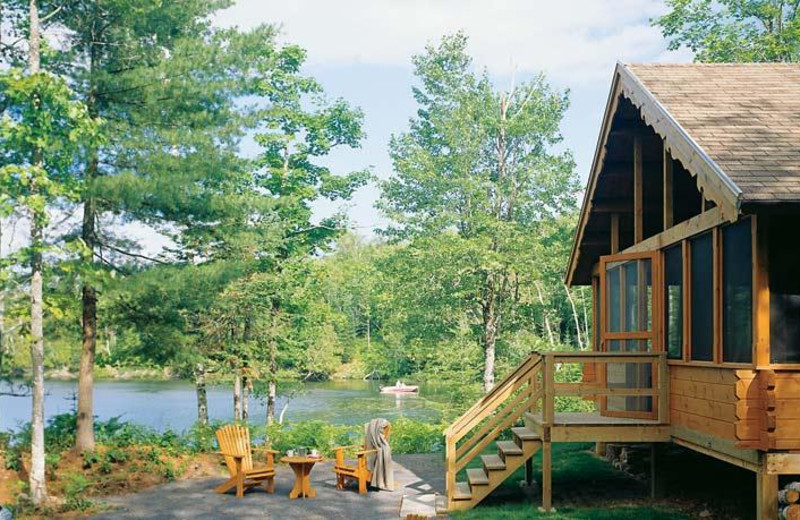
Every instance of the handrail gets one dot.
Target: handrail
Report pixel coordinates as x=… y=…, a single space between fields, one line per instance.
x=534 y=381
x=492 y=394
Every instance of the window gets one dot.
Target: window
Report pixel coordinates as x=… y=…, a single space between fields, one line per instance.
x=737 y=293
x=673 y=301
x=702 y=298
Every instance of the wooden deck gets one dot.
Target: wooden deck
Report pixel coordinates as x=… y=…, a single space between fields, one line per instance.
x=585 y=426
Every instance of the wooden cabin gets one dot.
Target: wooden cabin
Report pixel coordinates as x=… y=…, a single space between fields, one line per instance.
x=689 y=236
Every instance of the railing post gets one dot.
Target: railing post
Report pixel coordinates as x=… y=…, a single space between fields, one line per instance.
x=532 y=384
x=450 y=477
x=549 y=380
x=663 y=389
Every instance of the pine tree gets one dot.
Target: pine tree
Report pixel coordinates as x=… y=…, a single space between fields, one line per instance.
x=165 y=84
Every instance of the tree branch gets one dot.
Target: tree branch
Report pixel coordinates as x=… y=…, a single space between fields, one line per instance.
x=132 y=255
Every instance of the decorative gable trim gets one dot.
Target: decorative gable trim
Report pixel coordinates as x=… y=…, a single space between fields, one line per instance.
x=711 y=179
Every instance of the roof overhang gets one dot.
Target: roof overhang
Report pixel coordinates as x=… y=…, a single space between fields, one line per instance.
x=711 y=179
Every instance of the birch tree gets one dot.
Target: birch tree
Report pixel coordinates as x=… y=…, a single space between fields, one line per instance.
x=41 y=126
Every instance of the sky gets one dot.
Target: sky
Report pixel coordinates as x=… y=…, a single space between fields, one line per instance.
x=361 y=50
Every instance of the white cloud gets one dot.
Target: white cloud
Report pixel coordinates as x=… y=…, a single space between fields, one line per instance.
x=576 y=42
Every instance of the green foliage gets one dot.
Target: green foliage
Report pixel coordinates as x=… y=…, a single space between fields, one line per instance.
x=734 y=30
x=74 y=492
x=528 y=511
x=409 y=436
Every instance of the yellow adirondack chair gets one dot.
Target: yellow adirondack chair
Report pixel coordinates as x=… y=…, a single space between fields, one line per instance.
x=346 y=471
x=234 y=445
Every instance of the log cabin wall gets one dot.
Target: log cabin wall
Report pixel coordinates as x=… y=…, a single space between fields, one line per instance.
x=777 y=393
x=714 y=401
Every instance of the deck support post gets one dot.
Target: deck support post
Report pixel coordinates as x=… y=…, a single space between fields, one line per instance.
x=529 y=471
x=766 y=493
x=547 y=476
x=600 y=449
x=656 y=482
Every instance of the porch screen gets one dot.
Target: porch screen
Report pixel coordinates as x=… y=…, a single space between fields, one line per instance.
x=784 y=288
x=673 y=305
x=737 y=293
x=702 y=298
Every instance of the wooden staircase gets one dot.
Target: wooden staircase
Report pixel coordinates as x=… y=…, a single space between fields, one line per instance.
x=496 y=468
x=488 y=421
x=522 y=408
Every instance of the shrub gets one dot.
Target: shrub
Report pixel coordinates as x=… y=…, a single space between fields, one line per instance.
x=74 y=492
x=409 y=436
x=319 y=435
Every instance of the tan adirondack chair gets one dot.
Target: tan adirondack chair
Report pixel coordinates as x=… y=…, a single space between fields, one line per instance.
x=347 y=471
x=234 y=445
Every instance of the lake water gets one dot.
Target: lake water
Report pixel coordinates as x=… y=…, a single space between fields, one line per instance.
x=172 y=404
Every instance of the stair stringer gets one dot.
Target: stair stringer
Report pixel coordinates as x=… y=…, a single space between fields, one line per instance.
x=497 y=477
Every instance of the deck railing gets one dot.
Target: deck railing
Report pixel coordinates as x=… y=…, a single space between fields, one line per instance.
x=532 y=387
x=658 y=387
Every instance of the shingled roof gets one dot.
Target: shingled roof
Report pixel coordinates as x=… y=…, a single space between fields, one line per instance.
x=734 y=127
x=745 y=117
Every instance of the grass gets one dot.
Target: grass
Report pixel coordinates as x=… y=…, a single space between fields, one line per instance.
x=585 y=487
x=526 y=511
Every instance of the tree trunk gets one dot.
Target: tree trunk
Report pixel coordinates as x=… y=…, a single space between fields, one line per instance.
x=575 y=317
x=37 y=477
x=37 y=484
x=586 y=333
x=237 y=395
x=245 y=410
x=271 y=392
x=272 y=387
x=490 y=320
x=202 y=396
x=545 y=315
x=369 y=329
x=84 y=440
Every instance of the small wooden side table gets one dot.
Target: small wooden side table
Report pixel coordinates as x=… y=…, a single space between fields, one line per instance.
x=302 y=475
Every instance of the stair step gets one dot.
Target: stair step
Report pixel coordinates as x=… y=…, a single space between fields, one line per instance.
x=509 y=448
x=493 y=462
x=525 y=434
x=477 y=477
x=462 y=492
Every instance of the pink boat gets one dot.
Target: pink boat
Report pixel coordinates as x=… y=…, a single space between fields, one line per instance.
x=399 y=388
